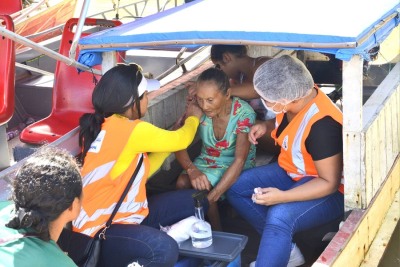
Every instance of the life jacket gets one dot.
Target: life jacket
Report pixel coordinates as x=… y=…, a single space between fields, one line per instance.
x=108 y=167
x=294 y=157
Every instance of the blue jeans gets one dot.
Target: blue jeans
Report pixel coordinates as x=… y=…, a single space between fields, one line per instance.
x=278 y=223
x=145 y=243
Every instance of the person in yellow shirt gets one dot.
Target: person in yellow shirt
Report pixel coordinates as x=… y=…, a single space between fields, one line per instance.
x=113 y=138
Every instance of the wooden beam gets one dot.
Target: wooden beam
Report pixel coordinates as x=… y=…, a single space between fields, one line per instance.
x=353 y=240
x=384 y=235
x=353 y=144
x=109 y=60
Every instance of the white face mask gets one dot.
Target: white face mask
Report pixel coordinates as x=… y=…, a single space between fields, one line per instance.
x=272 y=108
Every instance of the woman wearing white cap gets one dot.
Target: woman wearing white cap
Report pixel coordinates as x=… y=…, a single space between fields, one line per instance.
x=113 y=139
x=303 y=189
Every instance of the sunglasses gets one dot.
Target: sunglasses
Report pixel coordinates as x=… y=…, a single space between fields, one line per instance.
x=131 y=64
x=138 y=70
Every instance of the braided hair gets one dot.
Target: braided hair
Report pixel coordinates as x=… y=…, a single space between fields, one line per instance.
x=44 y=187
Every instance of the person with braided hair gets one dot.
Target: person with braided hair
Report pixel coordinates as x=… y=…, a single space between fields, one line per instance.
x=47 y=193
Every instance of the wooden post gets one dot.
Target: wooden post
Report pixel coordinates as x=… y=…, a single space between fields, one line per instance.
x=109 y=61
x=353 y=144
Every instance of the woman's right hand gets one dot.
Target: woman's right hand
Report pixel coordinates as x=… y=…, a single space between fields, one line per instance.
x=256 y=131
x=191 y=87
x=193 y=109
x=198 y=179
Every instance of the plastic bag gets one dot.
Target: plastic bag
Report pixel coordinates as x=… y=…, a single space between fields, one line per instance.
x=180 y=231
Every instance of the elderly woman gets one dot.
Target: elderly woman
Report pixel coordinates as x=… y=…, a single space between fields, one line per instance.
x=240 y=68
x=303 y=189
x=46 y=195
x=226 y=150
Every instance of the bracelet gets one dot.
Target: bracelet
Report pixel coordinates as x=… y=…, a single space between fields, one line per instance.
x=188 y=165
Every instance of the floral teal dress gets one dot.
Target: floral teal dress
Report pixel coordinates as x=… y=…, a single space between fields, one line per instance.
x=217 y=155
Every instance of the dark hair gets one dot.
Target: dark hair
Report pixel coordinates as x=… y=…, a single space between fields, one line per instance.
x=115 y=93
x=217 y=51
x=216 y=76
x=44 y=187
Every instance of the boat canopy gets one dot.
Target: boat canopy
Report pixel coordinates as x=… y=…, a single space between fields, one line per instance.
x=339 y=27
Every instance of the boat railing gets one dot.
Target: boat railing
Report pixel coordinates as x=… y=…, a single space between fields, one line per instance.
x=32 y=69
x=371 y=171
x=46 y=51
x=180 y=62
x=58 y=29
x=25 y=13
x=68 y=142
x=380 y=136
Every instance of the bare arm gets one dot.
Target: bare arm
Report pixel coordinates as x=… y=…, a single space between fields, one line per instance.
x=244 y=90
x=232 y=173
x=183 y=158
x=261 y=128
x=328 y=180
x=198 y=179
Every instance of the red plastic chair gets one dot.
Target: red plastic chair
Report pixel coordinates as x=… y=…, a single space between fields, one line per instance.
x=9 y=7
x=7 y=73
x=72 y=93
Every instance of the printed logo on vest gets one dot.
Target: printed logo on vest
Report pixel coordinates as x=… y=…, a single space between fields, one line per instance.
x=97 y=143
x=285 y=143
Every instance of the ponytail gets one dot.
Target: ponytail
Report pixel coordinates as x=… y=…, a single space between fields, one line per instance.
x=90 y=127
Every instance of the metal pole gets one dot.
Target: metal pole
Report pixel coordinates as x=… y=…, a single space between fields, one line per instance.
x=30 y=68
x=20 y=15
x=48 y=52
x=4 y=153
x=79 y=27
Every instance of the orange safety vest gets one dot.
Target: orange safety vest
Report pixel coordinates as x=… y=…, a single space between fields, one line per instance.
x=294 y=158
x=103 y=186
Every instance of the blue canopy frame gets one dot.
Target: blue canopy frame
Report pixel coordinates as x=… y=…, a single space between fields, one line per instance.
x=340 y=27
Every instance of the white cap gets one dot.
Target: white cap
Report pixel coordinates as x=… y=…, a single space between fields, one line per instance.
x=148 y=85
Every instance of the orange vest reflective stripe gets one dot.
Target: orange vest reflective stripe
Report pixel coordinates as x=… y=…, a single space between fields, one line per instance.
x=294 y=158
x=108 y=166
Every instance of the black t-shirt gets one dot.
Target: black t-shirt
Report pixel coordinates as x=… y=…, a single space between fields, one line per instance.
x=324 y=140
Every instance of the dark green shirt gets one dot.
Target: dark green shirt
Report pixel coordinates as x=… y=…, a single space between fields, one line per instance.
x=27 y=251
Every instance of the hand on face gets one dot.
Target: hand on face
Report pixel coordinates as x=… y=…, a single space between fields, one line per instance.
x=193 y=109
x=256 y=131
x=191 y=87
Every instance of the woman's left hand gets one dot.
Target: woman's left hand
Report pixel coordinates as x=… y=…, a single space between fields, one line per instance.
x=268 y=196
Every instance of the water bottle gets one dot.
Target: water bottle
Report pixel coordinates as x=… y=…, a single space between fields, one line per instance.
x=201 y=232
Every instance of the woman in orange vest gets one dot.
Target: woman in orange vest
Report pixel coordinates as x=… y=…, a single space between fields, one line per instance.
x=304 y=188
x=113 y=139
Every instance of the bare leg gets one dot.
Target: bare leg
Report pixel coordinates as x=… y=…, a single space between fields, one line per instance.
x=213 y=217
x=183 y=182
